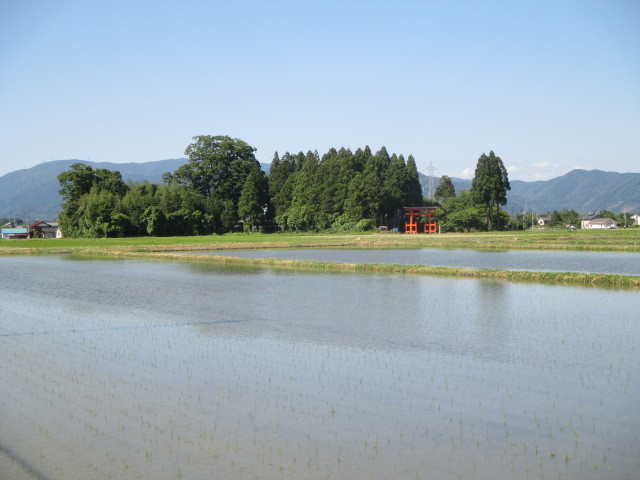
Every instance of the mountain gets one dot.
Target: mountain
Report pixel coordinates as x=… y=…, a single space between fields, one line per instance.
x=581 y=190
x=33 y=193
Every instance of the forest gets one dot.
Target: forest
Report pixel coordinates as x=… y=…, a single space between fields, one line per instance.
x=222 y=189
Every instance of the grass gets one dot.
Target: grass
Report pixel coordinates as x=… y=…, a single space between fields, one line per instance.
x=562 y=278
x=627 y=240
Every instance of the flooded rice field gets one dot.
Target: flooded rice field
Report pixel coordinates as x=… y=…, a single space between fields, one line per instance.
x=148 y=369
x=622 y=263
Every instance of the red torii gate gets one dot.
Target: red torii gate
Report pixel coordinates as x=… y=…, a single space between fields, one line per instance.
x=414 y=214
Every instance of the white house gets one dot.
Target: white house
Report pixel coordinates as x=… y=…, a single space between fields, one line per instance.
x=603 y=223
x=636 y=218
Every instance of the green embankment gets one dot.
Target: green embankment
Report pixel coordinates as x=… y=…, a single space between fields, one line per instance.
x=165 y=248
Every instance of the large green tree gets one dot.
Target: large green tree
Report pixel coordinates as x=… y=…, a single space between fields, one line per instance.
x=218 y=166
x=489 y=186
x=90 y=202
x=75 y=182
x=461 y=214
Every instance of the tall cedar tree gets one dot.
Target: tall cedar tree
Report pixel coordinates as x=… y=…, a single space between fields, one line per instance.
x=489 y=186
x=445 y=189
x=413 y=189
x=253 y=200
x=281 y=186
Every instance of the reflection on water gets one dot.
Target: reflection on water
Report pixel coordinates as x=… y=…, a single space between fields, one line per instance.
x=532 y=260
x=136 y=369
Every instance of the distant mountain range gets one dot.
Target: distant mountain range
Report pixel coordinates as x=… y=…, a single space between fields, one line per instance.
x=33 y=193
x=581 y=190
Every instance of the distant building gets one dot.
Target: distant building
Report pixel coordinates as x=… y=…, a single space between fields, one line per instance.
x=636 y=218
x=14 y=233
x=603 y=223
x=585 y=220
x=44 y=230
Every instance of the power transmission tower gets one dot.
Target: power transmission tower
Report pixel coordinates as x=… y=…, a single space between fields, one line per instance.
x=431 y=181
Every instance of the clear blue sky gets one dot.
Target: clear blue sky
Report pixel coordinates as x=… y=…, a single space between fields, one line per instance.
x=549 y=86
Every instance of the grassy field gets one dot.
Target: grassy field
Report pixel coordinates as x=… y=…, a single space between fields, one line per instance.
x=163 y=247
x=620 y=240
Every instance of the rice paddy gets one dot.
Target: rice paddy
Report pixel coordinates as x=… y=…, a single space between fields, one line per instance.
x=152 y=369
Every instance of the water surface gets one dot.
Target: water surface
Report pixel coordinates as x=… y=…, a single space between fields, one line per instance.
x=143 y=369
x=531 y=260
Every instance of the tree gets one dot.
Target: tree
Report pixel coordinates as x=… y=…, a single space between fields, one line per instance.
x=110 y=181
x=460 y=214
x=489 y=186
x=218 y=166
x=395 y=183
x=445 y=189
x=253 y=198
x=75 y=182
x=135 y=204
x=281 y=176
x=618 y=217
x=367 y=196
x=334 y=174
x=302 y=214
x=556 y=219
x=96 y=213
x=87 y=197
x=570 y=217
x=412 y=187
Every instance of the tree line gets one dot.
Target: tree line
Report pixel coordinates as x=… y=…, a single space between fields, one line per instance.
x=222 y=188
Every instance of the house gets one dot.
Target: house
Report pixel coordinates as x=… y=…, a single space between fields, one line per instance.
x=603 y=223
x=585 y=220
x=44 y=230
x=14 y=233
x=636 y=218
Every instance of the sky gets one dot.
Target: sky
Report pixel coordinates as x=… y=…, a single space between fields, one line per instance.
x=548 y=86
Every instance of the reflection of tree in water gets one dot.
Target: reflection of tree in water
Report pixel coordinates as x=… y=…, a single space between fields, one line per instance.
x=492 y=325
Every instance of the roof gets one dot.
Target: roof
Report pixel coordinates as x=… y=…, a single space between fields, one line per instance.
x=45 y=224
x=603 y=221
x=13 y=230
x=589 y=216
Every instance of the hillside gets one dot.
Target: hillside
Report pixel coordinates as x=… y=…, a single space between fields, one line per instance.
x=33 y=193
x=581 y=190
